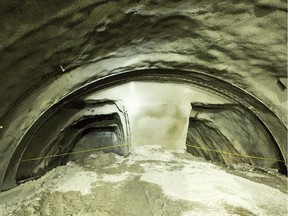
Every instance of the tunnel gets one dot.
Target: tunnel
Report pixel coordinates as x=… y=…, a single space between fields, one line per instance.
x=205 y=79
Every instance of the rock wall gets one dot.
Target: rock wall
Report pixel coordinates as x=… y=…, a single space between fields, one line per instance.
x=243 y=42
x=234 y=131
x=48 y=50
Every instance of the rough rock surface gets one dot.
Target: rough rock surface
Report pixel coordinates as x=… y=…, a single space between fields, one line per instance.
x=49 y=49
x=232 y=129
x=242 y=42
x=149 y=182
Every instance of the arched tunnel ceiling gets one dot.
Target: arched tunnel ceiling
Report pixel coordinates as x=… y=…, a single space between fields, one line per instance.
x=50 y=49
x=242 y=42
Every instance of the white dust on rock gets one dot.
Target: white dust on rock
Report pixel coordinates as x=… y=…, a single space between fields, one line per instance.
x=151 y=181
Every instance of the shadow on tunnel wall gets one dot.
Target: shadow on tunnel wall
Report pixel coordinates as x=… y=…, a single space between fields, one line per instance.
x=232 y=134
x=260 y=115
x=61 y=136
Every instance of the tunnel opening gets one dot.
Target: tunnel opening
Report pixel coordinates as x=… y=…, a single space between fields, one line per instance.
x=65 y=119
x=68 y=143
x=69 y=120
x=58 y=136
x=95 y=138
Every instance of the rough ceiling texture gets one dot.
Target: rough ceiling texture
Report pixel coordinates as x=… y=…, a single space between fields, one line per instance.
x=242 y=42
x=49 y=49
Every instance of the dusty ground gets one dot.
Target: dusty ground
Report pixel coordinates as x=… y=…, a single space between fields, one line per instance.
x=150 y=181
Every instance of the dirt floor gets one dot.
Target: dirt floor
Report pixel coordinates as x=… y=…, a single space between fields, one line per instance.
x=151 y=181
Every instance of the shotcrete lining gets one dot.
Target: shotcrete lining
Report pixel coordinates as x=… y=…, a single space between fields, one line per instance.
x=225 y=38
x=64 y=119
x=184 y=77
x=232 y=124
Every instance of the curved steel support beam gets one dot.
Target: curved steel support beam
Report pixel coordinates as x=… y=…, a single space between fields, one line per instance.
x=272 y=122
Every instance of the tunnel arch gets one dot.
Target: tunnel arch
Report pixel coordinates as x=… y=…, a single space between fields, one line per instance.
x=271 y=121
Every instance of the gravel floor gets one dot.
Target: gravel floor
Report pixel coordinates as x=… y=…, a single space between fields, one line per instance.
x=151 y=181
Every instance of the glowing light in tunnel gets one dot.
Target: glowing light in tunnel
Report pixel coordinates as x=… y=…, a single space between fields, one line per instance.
x=132 y=100
x=158 y=112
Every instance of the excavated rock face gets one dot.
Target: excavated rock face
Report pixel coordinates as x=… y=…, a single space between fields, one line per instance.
x=231 y=129
x=50 y=49
x=242 y=42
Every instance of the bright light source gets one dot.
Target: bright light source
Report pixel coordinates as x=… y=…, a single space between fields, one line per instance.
x=132 y=99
